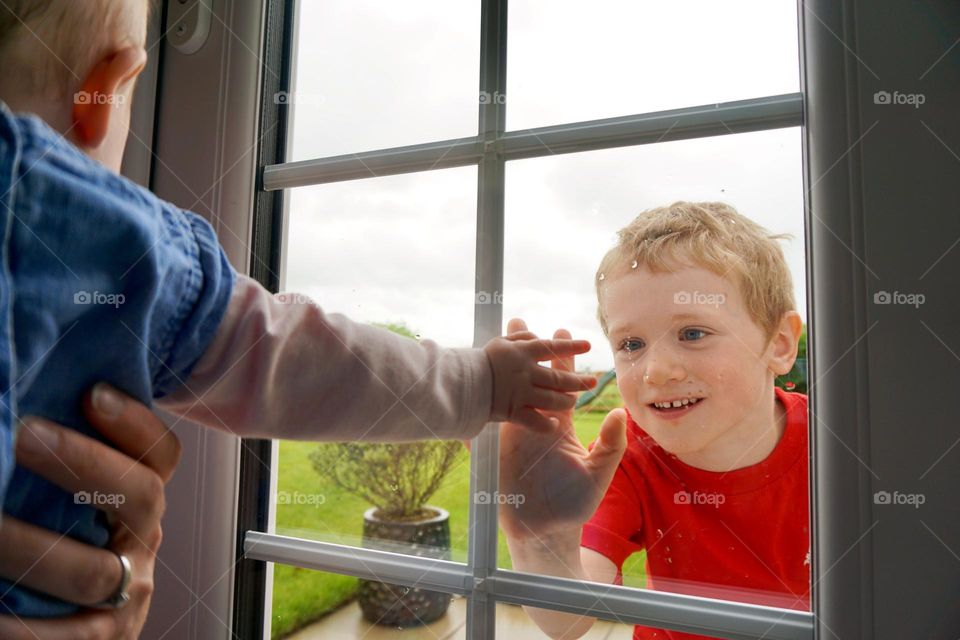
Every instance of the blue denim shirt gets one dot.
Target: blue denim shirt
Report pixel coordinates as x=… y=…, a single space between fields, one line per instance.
x=101 y=280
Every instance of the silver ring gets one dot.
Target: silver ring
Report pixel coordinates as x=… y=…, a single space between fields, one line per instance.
x=120 y=596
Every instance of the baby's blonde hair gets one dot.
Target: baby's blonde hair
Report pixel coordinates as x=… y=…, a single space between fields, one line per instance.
x=47 y=47
x=714 y=236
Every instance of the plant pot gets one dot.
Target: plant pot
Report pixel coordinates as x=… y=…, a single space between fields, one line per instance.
x=394 y=605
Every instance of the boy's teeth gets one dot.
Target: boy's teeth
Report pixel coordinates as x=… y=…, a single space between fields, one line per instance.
x=676 y=403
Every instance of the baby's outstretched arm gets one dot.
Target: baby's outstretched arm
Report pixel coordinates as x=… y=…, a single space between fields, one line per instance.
x=277 y=369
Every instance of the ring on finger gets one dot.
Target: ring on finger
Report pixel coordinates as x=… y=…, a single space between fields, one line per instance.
x=120 y=597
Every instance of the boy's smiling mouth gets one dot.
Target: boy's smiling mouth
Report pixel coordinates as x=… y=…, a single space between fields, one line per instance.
x=674 y=407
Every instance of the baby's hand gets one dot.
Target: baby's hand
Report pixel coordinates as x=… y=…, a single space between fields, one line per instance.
x=521 y=386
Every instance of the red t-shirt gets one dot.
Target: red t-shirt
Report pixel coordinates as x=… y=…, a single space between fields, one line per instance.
x=740 y=535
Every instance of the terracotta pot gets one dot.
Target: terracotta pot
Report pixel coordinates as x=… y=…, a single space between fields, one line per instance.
x=394 y=605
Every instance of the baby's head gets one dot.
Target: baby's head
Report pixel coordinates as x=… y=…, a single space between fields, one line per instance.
x=697 y=303
x=74 y=63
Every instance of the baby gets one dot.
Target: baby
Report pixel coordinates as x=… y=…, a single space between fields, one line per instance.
x=102 y=280
x=706 y=469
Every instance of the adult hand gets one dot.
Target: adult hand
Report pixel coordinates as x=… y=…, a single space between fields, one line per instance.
x=551 y=483
x=145 y=457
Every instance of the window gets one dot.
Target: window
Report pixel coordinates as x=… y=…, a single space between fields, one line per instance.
x=589 y=149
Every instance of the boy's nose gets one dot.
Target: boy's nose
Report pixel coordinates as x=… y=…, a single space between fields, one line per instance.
x=660 y=372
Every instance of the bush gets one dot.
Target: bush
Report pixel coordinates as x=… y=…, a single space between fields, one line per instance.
x=398 y=478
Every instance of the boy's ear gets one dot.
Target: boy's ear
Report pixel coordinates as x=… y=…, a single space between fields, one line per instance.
x=785 y=343
x=102 y=91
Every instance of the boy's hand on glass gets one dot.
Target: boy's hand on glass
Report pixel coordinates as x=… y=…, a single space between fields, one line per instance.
x=521 y=386
x=550 y=484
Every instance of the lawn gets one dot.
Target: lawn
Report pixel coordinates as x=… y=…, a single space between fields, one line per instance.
x=302 y=595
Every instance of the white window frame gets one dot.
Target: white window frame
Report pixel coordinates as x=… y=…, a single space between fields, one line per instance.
x=480 y=581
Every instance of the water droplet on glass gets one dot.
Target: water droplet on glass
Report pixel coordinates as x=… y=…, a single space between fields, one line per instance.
x=602 y=276
x=790 y=385
x=633 y=265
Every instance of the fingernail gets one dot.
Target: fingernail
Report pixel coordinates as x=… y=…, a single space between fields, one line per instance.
x=36 y=438
x=107 y=401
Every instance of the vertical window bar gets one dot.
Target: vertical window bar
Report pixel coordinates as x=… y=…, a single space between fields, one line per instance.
x=488 y=316
x=251 y=601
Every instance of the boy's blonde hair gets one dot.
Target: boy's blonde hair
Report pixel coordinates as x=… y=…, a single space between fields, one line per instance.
x=714 y=236
x=47 y=47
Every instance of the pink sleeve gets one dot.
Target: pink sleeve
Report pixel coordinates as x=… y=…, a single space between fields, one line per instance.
x=278 y=369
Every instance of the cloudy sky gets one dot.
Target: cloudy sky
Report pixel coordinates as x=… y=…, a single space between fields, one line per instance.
x=380 y=74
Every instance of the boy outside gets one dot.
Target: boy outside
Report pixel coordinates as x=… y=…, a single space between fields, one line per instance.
x=706 y=465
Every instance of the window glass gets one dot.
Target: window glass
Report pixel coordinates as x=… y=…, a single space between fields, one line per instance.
x=398 y=252
x=677 y=519
x=619 y=58
x=313 y=604
x=372 y=74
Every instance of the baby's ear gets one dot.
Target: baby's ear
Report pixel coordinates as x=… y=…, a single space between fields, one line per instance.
x=105 y=89
x=785 y=343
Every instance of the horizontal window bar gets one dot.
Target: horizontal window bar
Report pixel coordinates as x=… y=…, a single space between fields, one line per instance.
x=719 y=618
x=421 y=157
x=772 y=112
x=372 y=564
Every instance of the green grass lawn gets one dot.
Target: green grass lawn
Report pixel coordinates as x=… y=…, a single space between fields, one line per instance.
x=302 y=595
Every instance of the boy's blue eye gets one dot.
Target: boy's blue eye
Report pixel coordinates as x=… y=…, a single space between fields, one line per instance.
x=687 y=332
x=631 y=344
